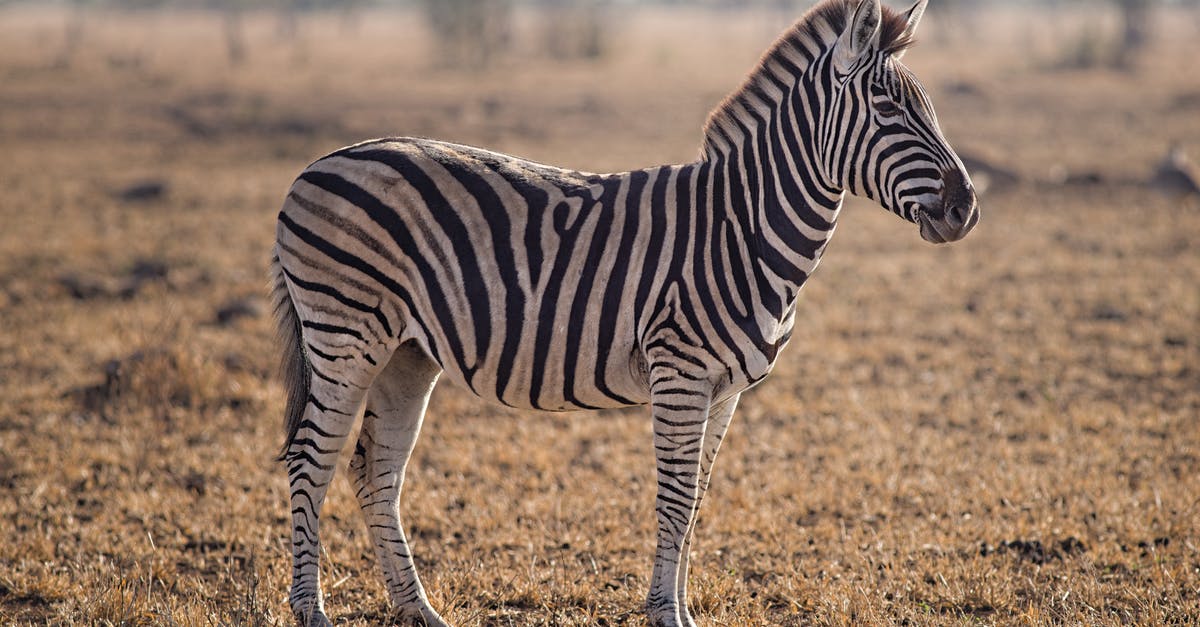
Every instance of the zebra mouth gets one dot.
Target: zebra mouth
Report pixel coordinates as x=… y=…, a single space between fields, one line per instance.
x=936 y=231
x=940 y=226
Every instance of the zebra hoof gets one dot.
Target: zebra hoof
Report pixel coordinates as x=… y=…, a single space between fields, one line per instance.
x=316 y=618
x=666 y=617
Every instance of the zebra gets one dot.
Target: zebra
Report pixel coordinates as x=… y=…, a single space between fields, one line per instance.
x=400 y=260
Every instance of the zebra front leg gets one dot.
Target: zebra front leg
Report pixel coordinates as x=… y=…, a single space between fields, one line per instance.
x=391 y=423
x=719 y=417
x=311 y=457
x=680 y=407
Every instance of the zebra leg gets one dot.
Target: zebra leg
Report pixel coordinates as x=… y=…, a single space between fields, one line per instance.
x=391 y=423
x=714 y=433
x=680 y=409
x=311 y=458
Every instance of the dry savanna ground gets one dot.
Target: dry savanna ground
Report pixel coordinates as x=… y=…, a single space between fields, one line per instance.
x=1002 y=431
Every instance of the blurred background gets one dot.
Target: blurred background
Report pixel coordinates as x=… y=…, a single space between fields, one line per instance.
x=1005 y=430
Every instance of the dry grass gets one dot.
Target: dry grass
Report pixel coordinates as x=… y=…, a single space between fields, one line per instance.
x=1003 y=431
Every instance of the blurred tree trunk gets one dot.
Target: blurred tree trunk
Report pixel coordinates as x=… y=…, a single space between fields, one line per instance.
x=1136 y=29
x=352 y=15
x=232 y=13
x=289 y=22
x=574 y=29
x=469 y=33
x=235 y=39
x=72 y=33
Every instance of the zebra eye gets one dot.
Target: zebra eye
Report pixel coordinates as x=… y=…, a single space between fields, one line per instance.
x=887 y=108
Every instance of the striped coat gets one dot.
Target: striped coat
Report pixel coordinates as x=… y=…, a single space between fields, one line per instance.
x=398 y=261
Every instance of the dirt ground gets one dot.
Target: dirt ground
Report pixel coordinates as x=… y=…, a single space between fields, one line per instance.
x=1002 y=431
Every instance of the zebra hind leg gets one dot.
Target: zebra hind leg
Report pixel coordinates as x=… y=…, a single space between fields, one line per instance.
x=310 y=458
x=391 y=423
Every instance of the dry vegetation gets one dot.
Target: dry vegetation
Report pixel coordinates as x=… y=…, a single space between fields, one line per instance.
x=1002 y=431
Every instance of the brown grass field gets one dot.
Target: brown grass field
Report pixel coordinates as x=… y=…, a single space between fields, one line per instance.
x=1004 y=431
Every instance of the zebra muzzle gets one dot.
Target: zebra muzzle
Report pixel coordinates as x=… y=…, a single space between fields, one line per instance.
x=957 y=214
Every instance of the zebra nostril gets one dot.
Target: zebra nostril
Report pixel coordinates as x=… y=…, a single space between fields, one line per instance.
x=959 y=215
x=958 y=199
x=956 y=190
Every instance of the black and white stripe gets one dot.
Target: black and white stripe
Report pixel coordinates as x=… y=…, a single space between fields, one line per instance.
x=398 y=260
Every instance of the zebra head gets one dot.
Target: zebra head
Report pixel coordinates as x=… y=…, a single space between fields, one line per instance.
x=886 y=143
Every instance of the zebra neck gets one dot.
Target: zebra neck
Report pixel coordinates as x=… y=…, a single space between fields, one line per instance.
x=779 y=213
x=764 y=146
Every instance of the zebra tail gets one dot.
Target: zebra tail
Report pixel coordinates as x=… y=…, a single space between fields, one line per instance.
x=293 y=363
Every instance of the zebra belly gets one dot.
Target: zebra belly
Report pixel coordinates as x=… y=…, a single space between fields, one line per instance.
x=559 y=367
x=565 y=395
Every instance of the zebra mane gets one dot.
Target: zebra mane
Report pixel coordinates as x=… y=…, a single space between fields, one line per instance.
x=807 y=39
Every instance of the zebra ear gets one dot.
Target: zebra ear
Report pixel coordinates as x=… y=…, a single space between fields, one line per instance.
x=912 y=18
x=861 y=35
